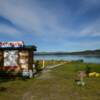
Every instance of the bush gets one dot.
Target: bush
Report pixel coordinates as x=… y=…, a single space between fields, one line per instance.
x=38 y=66
x=88 y=70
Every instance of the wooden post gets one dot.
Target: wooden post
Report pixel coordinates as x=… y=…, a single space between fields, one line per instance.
x=31 y=59
x=43 y=64
x=1 y=58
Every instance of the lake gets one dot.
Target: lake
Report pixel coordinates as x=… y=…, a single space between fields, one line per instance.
x=87 y=59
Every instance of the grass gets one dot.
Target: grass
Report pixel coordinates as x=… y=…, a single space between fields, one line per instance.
x=61 y=85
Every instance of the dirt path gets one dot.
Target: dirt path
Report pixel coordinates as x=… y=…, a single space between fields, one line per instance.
x=45 y=73
x=53 y=66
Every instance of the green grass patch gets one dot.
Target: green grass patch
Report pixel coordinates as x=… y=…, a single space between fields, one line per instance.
x=61 y=85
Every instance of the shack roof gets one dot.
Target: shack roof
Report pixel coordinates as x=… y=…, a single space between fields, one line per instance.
x=29 y=47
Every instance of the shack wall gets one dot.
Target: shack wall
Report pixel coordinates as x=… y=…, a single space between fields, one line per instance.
x=23 y=61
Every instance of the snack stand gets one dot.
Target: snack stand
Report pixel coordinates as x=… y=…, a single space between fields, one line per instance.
x=16 y=56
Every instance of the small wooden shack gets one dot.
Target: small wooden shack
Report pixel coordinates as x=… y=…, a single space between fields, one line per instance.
x=16 y=56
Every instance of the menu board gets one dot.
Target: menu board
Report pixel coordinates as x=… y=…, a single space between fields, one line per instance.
x=24 y=59
x=11 y=58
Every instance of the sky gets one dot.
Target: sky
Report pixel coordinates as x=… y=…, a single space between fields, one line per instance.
x=52 y=25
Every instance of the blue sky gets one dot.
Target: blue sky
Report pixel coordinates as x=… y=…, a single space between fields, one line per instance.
x=52 y=25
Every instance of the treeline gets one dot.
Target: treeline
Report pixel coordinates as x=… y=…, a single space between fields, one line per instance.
x=87 y=52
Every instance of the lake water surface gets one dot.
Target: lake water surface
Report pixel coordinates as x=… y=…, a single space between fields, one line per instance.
x=88 y=59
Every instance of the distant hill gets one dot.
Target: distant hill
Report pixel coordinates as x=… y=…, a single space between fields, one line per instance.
x=87 y=53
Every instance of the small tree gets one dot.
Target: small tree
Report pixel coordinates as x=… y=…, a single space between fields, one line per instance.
x=88 y=70
x=38 y=66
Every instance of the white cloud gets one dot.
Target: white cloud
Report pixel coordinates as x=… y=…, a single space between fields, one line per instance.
x=8 y=30
x=92 y=29
x=34 y=18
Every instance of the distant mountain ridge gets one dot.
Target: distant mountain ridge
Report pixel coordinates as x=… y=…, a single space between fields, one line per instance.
x=86 y=52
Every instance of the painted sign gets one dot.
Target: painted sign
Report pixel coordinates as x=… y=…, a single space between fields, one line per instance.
x=12 y=44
